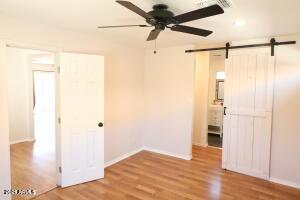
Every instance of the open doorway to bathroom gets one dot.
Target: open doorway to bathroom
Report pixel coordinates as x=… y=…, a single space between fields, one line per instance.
x=216 y=99
x=32 y=120
x=209 y=99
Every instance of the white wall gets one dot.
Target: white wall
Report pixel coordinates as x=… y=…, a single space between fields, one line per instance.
x=18 y=90
x=285 y=150
x=169 y=93
x=123 y=77
x=123 y=103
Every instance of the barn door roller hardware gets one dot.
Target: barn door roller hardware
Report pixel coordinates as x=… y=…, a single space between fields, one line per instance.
x=272 y=44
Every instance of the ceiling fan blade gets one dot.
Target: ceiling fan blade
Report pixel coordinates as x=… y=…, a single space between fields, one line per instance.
x=135 y=9
x=199 y=14
x=153 y=35
x=191 y=30
x=122 y=26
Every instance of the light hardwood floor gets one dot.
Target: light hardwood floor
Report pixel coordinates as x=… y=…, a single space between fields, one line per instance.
x=33 y=167
x=149 y=176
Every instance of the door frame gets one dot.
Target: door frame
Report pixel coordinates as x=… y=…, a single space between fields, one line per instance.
x=201 y=100
x=56 y=51
x=200 y=106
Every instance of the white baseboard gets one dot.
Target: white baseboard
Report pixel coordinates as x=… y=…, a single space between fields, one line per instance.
x=200 y=144
x=19 y=141
x=184 y=157
x=285 y=182
x=118 y=159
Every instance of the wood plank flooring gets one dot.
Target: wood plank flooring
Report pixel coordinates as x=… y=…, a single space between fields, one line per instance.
x=151 y=176
x=32 y=167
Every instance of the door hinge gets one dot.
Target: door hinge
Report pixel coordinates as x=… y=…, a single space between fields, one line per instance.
x=59 y=120
x=59 y=169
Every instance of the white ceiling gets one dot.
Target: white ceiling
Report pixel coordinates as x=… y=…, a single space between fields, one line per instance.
x=263 y=18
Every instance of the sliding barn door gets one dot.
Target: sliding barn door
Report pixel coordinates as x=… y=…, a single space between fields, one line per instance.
x=82 y=112
x=248 y=119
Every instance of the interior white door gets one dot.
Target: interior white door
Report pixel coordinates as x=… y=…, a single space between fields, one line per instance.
x=81 y=110
x=248 y=119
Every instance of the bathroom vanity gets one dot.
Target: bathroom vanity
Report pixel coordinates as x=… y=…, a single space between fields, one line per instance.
x=215 y=119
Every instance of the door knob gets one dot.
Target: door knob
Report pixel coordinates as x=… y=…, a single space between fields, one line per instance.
x=100 y=124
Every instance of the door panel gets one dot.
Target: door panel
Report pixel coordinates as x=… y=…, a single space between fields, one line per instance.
x=248 y=98
x=245 y=143
x=82 y=108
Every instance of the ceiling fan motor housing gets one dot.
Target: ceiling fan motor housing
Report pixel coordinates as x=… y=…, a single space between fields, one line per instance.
x=162 y=16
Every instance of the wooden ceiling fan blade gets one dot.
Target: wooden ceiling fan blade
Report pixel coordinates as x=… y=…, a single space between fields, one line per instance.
x=123 y=26
x=135 y=9
x=199 y=14
x=191 y=30
x=153 y=35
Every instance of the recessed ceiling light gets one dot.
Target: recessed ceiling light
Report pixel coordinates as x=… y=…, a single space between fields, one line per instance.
x=239 y=23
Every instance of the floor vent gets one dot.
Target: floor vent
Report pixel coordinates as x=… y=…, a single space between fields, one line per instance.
x=222 y=3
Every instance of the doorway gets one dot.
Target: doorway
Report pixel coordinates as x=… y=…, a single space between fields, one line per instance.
x=32 y=121
x=215 y=108
x=79 y=119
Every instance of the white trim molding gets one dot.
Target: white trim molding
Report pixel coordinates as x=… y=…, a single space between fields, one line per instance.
x=285 y=182
x=200 y=144
x=120 y=158
x=184 y=157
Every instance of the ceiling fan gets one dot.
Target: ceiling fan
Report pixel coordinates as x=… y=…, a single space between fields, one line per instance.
x=160 y=18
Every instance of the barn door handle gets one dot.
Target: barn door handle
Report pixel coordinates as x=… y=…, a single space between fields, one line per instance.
x=225 y=110
x=100 y=124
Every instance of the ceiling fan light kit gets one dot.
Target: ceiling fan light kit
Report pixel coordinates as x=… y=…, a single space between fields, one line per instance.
x=161 y=18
